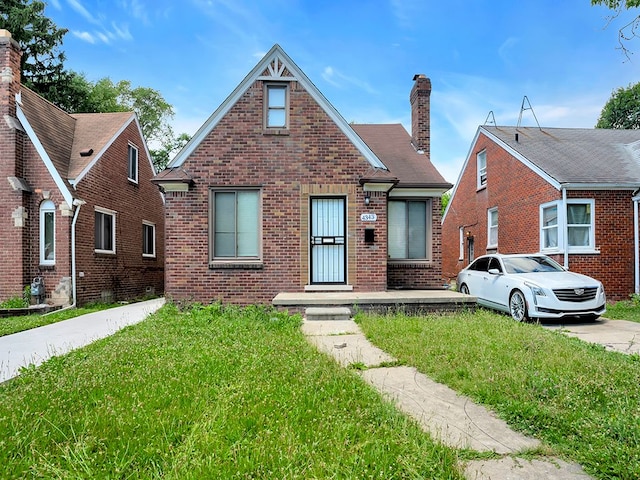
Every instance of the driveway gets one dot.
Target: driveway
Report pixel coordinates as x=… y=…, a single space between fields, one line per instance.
x=619 y=335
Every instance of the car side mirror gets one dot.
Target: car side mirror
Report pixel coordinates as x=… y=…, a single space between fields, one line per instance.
x=494 y=271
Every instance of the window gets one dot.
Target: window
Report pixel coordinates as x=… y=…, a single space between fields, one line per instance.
x=481 y=161
x=409 y=229
x=105 y=231
x=276 y=106
x=492 y=228
x=47 y=233
x=133 y=163
x=576 y=223
x=148 y=239
x=235 y=224
x=461 y=235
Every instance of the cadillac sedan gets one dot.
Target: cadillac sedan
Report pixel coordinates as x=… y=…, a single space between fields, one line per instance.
x=531 y=287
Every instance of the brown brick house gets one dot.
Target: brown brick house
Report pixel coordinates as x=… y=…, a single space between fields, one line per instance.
x=276 y=192
x=78 y=207
x=567 y=192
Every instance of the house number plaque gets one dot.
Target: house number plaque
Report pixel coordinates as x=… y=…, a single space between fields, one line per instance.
x=368 y=217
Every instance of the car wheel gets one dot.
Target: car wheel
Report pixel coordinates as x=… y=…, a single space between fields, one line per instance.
x=464 y=289
x=518 y=306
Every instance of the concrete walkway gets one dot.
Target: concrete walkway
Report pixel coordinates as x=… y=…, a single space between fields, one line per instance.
x=32 y=347
x=449 y=417
x=616 y=335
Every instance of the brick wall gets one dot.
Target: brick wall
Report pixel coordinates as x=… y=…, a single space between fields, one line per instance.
x=518 y=203
x=313 y=159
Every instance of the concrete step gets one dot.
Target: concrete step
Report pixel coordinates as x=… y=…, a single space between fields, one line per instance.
x=327 y=313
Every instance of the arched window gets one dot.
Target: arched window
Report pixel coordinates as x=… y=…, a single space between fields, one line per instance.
x=47 y=233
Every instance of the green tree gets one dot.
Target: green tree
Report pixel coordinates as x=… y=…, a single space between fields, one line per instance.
x=40 y=39
x=622 y=110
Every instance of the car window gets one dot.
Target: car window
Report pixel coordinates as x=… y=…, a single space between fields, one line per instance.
x=481 y=265
x=495 y=263
x=531 y=264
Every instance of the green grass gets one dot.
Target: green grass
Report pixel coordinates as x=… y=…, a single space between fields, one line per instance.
x=9 y=325
x=625 y=310
x=208 y=393
x=581 y=400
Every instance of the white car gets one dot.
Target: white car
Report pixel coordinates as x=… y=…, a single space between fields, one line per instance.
x=531 y=286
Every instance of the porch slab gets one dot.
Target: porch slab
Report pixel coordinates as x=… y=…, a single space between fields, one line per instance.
x=405 y=300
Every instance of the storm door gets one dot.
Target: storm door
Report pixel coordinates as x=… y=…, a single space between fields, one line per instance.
x=328 y=240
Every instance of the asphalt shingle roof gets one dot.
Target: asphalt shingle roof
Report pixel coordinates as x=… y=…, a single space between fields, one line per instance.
x=577 y=155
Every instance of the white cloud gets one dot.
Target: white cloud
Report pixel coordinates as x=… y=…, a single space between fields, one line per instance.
x=78 y=7
x=338 y=80
x=86 y=36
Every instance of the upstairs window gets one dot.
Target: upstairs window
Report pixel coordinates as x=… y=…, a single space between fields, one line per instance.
x=133 y=163
x=148 y=239
x=47 y=233
x=276 y=101
x=105 y=231
x=481 y=161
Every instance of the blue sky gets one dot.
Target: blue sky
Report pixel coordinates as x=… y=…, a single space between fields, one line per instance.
x=481 y=56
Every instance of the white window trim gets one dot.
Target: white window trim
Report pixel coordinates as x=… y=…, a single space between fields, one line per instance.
x=268 y=108
x=131 y=147
x=152 y=225
x=563 y=227
x=47 y=207
x=481 y=172
x=429 y=233
x=490 y=227
x=461 y=233
x=112 y=213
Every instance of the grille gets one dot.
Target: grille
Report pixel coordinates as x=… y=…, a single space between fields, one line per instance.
x=576 y=294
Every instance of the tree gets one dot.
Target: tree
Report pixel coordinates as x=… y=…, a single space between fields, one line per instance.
x=40 y=38
x=622 y=110
x=629 y=30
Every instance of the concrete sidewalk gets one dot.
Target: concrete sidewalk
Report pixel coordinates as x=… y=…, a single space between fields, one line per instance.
x=449 y=417
x=32 y=347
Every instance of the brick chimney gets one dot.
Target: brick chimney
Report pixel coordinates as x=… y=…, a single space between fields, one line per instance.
x=420 y=115
x=10 y=56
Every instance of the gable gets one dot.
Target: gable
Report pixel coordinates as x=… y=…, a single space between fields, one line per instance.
x=276 y=66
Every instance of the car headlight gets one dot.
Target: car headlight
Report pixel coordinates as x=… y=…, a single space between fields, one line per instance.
x=536 y=290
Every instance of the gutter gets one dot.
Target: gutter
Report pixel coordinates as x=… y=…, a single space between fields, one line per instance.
x=636 y=246
x=565 y=239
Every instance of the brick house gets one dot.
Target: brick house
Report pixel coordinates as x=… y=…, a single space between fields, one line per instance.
x=79 y=209
x=567 y=192
x=276 y=192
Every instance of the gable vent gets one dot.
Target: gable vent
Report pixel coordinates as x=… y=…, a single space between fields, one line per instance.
x=87 y=152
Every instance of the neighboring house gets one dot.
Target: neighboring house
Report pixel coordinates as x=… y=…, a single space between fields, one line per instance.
x=276 y=192
x=79 y=209
x=570 y=193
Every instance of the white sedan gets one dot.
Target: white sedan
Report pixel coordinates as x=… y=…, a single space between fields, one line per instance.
x=531 y=286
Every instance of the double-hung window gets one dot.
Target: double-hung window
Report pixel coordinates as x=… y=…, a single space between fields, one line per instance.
x=481 y=164
x=105 y=230
x=573 y=227
x=492 y=228
x=148 y=239
x=133 y=163
x=235 y=225
x=409 y=229
x=276 y=101
x=47 y=233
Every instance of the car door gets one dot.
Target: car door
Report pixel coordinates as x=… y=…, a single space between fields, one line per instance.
x=476 y=277
x=494 y=286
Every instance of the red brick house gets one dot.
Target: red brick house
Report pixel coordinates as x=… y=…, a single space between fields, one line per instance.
x=276 y=192
x=567 y=192
x=79 y=209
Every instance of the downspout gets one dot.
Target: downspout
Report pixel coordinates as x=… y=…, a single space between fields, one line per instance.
x=565 y=240
x=76 y=203
x=636 y=245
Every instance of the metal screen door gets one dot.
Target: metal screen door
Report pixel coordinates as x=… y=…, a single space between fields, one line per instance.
x=328 y=240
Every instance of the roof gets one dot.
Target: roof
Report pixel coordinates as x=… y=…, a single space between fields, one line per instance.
x=60 y=137
x=276 y=64
x=580 y=156
x=392 y=145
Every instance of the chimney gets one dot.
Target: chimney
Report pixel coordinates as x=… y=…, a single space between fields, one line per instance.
x=10 y=56
x=420 y=116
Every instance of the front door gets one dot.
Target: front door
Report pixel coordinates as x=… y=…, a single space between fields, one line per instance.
x=328 y=240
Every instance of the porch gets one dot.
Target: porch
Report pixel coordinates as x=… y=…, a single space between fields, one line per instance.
x=412 y=301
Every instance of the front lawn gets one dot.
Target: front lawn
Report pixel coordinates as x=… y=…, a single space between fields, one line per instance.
x=625 y=310
x=583 y=401
x=208 y=393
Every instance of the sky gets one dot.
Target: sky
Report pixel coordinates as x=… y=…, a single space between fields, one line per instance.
x=482 y=56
